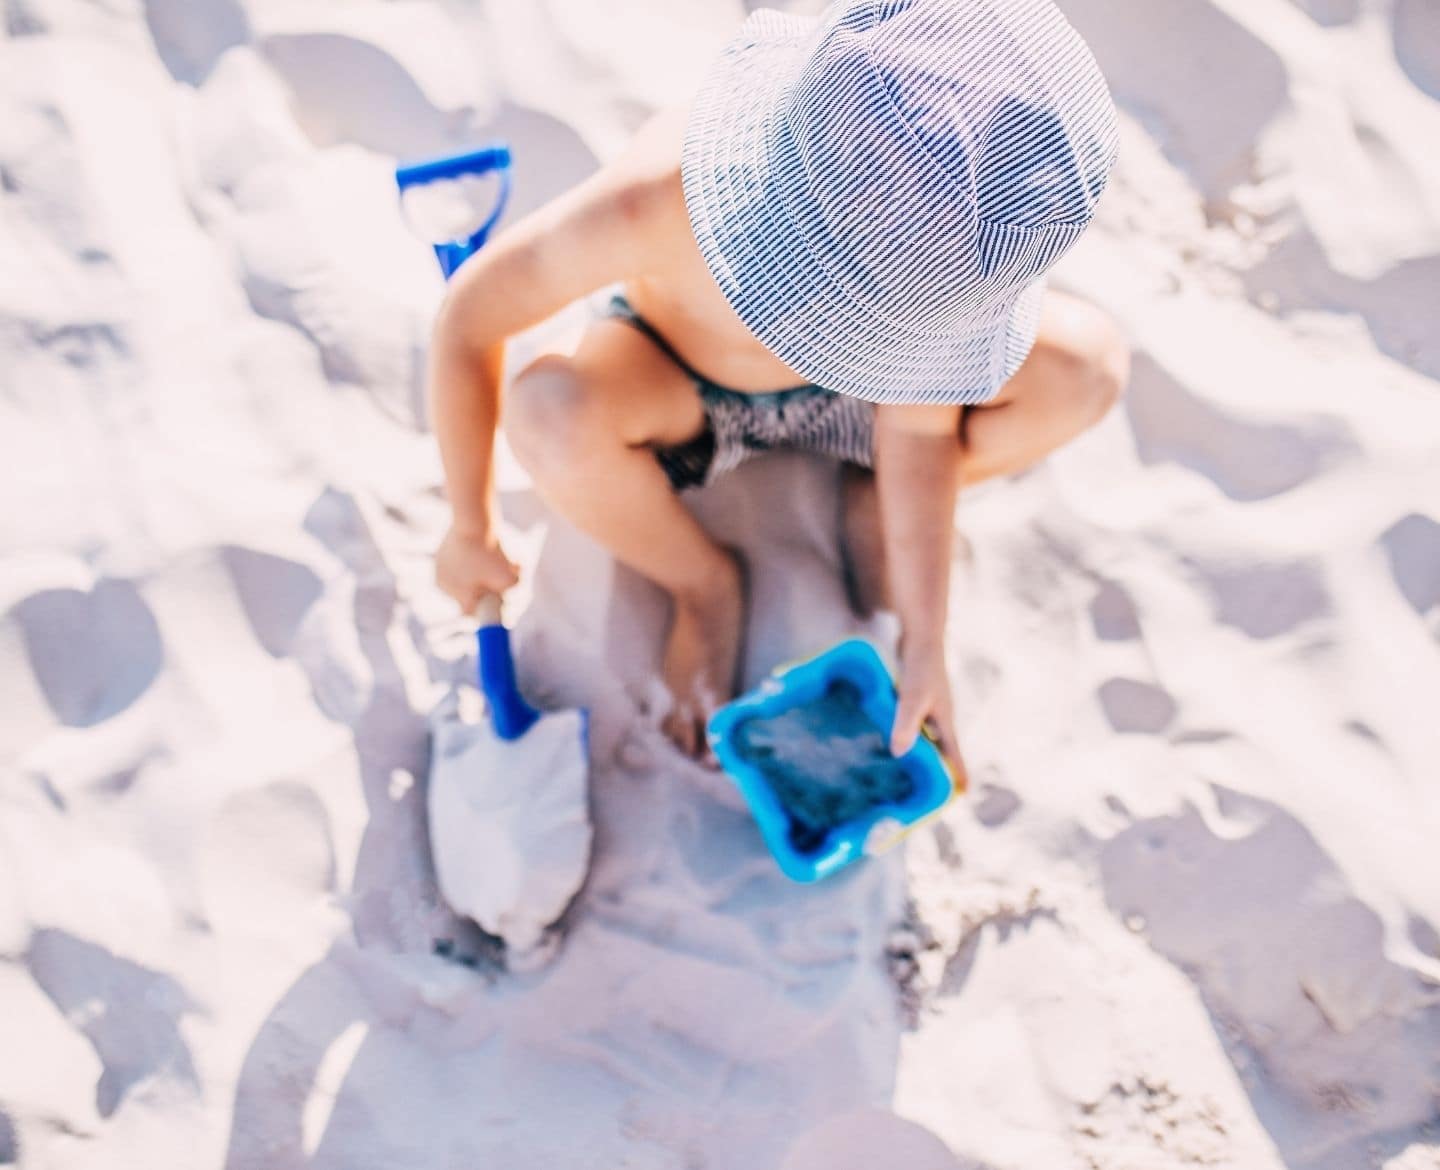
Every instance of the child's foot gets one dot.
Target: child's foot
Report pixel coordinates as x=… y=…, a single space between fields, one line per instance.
x=702 y=656
x=862 y=542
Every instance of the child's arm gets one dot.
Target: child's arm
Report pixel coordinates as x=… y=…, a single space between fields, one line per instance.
x=593 y=235
x=917 y=465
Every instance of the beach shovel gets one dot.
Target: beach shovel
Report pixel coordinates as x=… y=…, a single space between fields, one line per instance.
x=508 y=809
x=507 y=802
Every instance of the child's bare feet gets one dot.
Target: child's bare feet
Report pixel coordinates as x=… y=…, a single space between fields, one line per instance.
x=702 y=655
x=862 y=542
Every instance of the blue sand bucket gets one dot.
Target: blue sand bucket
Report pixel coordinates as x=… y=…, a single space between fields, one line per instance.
x=880 y=825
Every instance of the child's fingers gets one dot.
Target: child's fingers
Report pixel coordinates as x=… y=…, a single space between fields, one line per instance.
x=944 y=732
x=959 y=772
x=498 y=572
x=942 y=722
x=909 y=715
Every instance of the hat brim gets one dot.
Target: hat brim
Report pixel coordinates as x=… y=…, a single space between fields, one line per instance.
x=778 y=289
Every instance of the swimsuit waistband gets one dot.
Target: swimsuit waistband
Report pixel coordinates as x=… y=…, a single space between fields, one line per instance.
x=619 y=306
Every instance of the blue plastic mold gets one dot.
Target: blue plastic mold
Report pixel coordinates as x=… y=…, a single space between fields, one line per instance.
x=879 y=826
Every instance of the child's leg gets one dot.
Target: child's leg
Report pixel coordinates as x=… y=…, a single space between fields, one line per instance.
x=862 y=546
x=582 y=426
x=1074 y=374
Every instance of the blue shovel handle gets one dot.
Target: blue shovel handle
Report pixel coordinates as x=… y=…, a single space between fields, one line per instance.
x=453 y=253
x=510 y=714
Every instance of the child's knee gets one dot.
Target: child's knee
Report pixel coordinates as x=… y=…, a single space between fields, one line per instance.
x=1110 y=363
x=551 y=416
x=1095 y=358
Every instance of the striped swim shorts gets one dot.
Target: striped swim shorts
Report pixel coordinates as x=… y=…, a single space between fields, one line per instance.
x=740 y=425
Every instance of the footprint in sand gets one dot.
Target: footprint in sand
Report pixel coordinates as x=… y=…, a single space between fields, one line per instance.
x=557 y=161
x=1424 y=936
x=1113 y=614
x=1265 y=601
x=93 y=654
x=1297 y=275
x=190 y=35
x=995 y=804
x=1329 y=12
x=1413 y=546
x=1417 y=42
x=129 y=1013
x=286 y=606
x=1149 y=59
x=1247 y=460
x=1294 y=968
x=397 y=83
x=275 y=592
x=1132 y=705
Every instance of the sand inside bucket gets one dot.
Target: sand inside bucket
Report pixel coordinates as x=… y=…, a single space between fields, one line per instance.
x=826 y=761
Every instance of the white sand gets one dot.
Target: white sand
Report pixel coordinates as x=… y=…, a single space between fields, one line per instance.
x=1190 y=915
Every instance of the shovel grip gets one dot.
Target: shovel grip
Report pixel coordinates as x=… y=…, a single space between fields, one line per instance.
x=453 y=253
x=510 y=714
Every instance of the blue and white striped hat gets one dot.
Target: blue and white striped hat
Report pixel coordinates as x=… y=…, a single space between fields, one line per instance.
x=879 y=191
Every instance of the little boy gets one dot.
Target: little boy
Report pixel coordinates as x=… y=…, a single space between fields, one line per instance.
x=838 y=247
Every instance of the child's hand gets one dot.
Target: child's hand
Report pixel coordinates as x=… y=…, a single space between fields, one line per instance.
x=469 y=565
x=925 y=700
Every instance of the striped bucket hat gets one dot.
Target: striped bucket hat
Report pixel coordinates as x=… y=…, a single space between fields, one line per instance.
x=879 y=191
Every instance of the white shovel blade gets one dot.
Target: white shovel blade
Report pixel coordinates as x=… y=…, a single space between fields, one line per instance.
x=509 y=822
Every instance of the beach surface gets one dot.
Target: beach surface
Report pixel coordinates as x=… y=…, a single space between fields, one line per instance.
x=1189 y=913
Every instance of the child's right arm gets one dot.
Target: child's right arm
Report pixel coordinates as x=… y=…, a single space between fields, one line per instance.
x=595 y=234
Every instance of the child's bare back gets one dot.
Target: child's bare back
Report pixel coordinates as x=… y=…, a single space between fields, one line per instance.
x=681 y=299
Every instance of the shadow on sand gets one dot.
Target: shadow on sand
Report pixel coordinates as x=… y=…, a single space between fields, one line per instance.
x=702 y=1010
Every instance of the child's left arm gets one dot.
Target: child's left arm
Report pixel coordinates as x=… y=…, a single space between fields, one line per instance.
x=917 y=467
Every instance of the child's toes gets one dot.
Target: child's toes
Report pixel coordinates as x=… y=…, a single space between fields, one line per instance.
x=679 y=726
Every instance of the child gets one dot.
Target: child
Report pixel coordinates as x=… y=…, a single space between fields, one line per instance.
x=838 y=247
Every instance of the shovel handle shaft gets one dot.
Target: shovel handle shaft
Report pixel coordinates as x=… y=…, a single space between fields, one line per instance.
x=487 y=611
x=510 y=714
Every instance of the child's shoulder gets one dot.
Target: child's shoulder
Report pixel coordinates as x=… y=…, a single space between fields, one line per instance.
x=625 y=220
x=644 y=178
